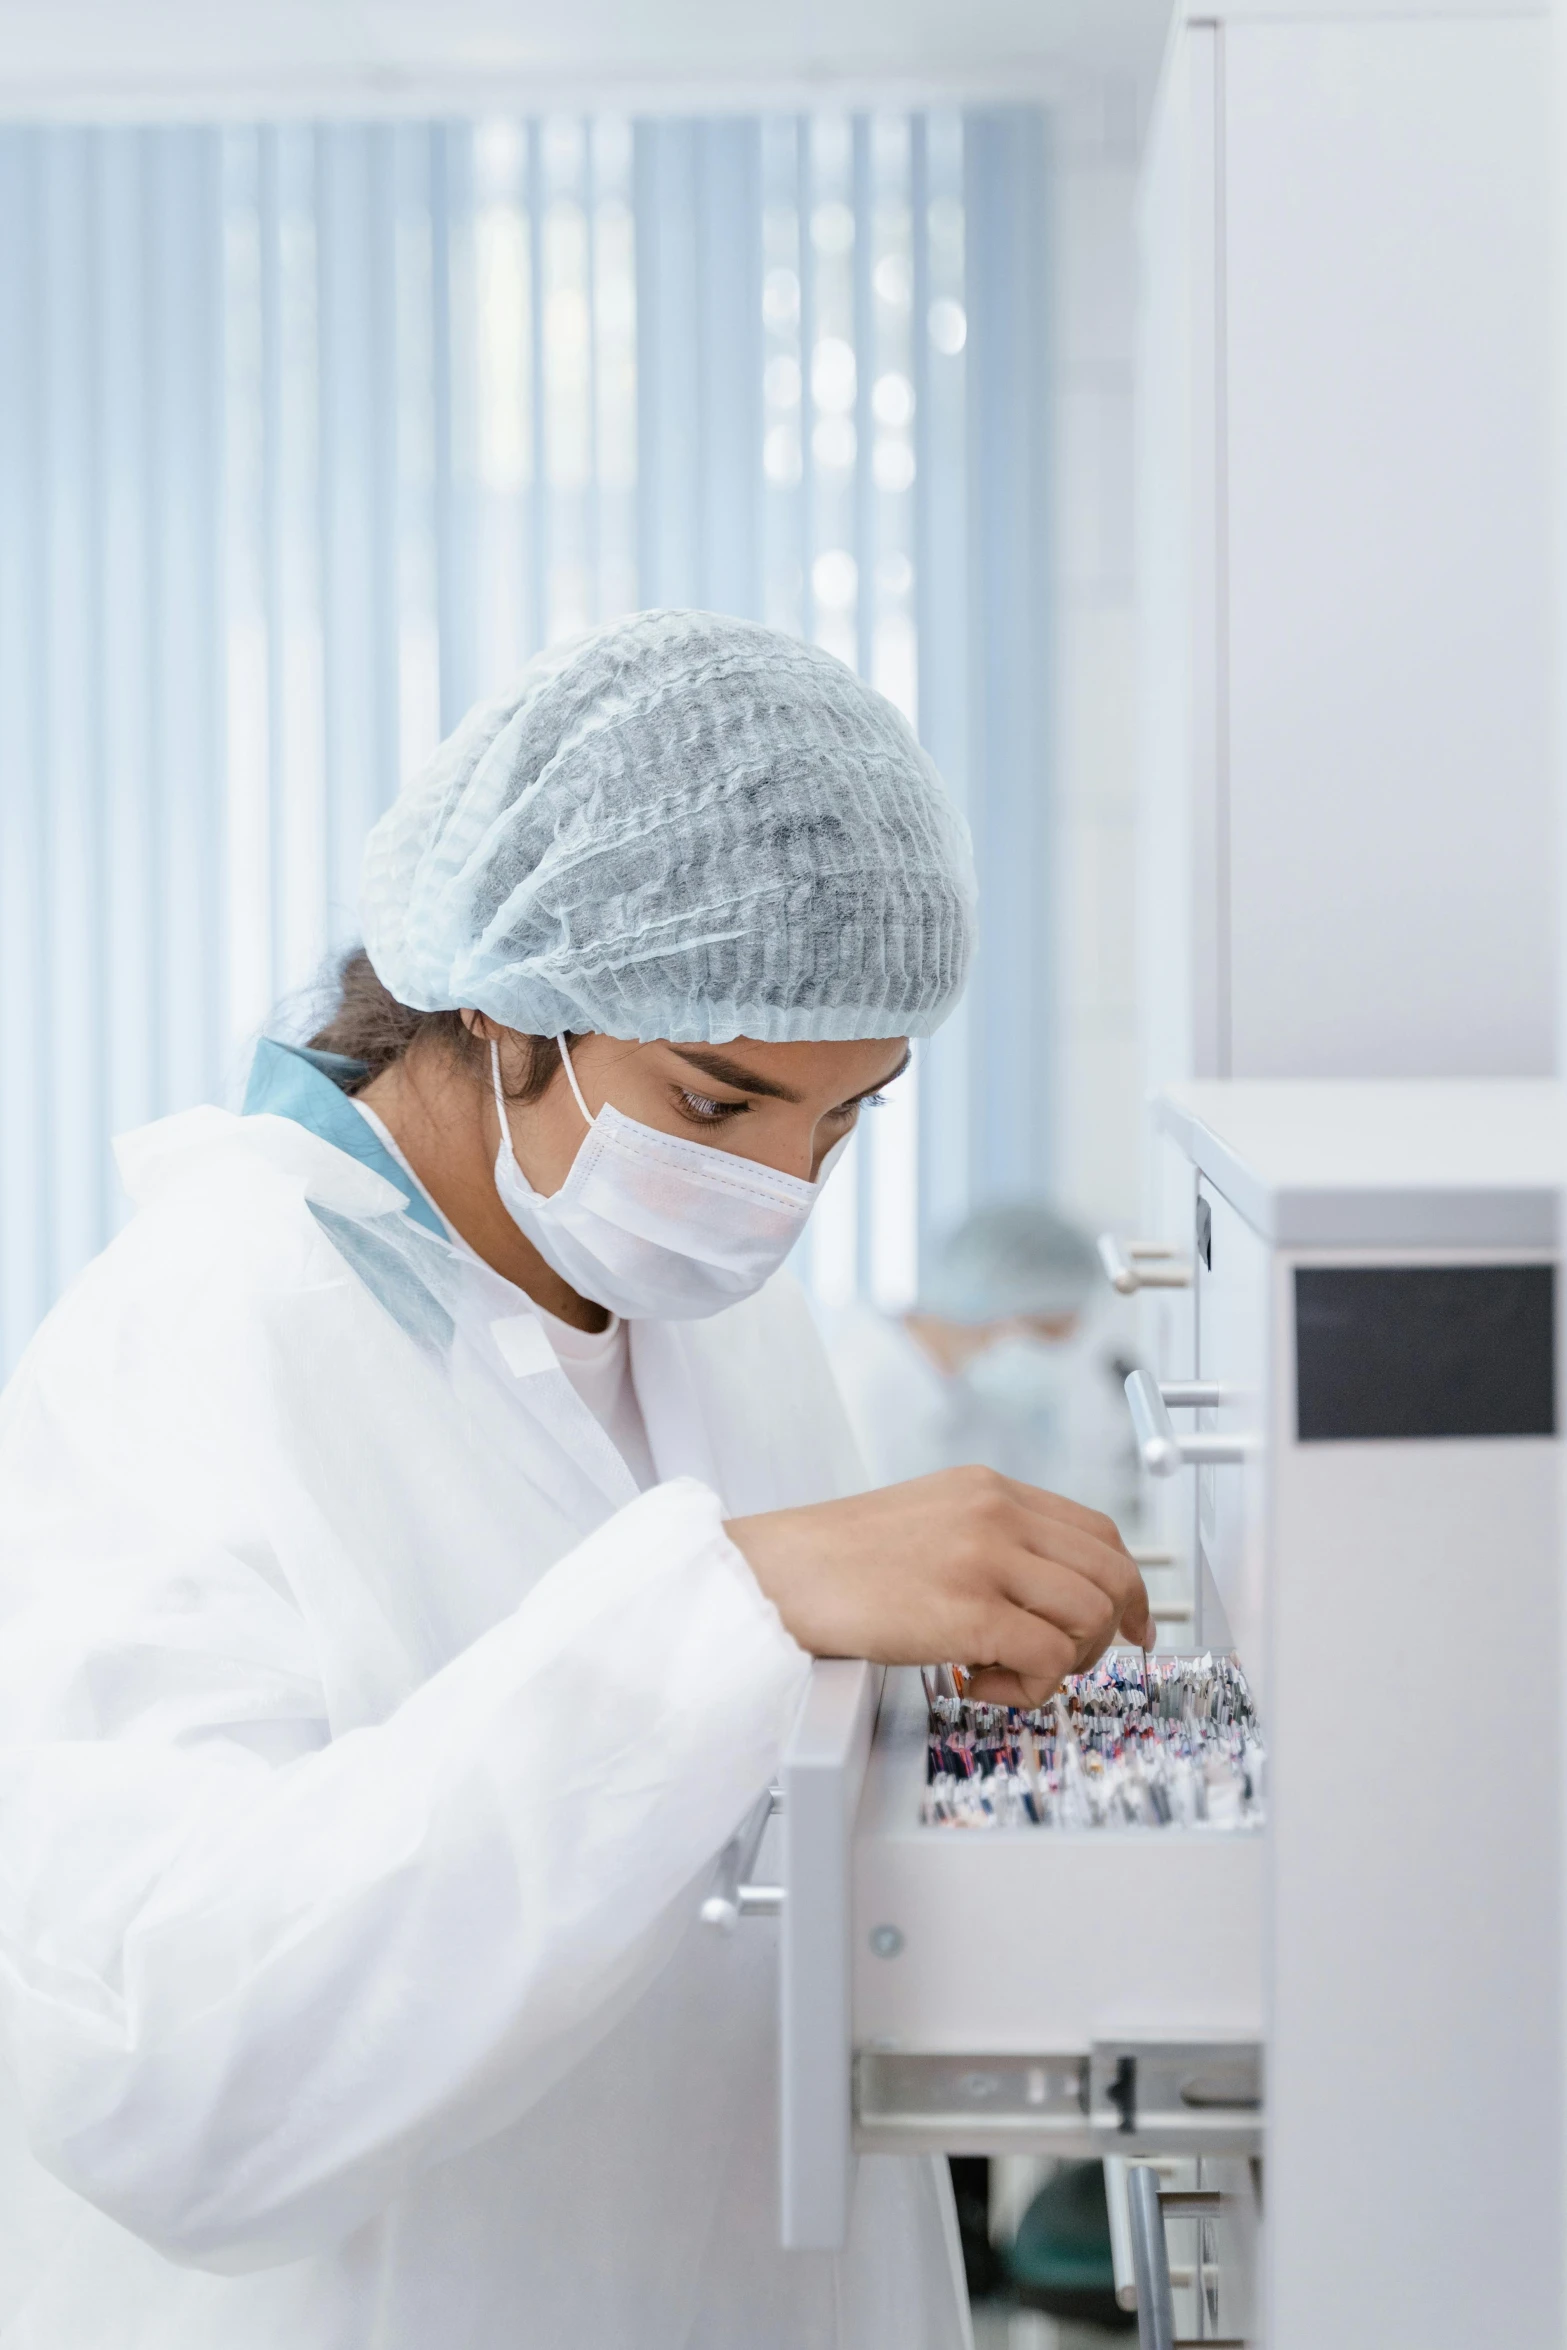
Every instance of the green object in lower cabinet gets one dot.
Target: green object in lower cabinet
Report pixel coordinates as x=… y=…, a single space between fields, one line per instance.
x=1059 y=2261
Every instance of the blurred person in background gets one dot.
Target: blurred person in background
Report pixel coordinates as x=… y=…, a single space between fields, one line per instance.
x=1004 y=1359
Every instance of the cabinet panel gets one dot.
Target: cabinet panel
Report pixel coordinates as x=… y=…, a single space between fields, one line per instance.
x=1233 y=1269
x=1414 y=2081
x=1390 y=885
x=1167 y=1345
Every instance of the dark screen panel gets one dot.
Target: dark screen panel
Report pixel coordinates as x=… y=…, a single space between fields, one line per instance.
x=1425 y=1350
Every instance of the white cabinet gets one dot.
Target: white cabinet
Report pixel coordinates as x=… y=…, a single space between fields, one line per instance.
x=1374 y=1314
x=1348 y=834
x=1377 y=1309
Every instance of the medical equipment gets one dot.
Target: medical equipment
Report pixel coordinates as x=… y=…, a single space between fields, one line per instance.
x=1347 y=2010
x=683 y=826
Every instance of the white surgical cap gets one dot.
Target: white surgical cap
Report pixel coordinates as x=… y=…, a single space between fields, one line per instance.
x=1023 y=1259
x=681 y=826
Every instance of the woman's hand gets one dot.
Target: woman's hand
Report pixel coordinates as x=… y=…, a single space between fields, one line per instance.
x=966 y=1567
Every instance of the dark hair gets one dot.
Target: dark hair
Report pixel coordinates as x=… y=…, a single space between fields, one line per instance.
x=369 y=1024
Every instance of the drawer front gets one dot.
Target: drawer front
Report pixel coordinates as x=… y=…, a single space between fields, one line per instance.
x=1045 y=1941
x=1011 y=1940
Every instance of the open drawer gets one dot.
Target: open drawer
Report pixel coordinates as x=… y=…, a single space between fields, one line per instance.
x=1024 y=1989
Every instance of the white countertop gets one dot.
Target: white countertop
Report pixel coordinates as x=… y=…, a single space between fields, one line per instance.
x=1378 y=1162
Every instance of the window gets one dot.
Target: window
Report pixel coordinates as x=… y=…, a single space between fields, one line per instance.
x=308 y=436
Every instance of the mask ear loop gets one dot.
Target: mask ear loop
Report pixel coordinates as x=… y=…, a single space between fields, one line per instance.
x=571 y=1077
x=500 y=1103
x=500 y=1095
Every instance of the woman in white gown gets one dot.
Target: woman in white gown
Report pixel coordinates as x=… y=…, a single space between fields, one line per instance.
x=414 y=1532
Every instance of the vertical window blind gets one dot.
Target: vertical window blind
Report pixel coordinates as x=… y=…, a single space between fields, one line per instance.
x=310 y=435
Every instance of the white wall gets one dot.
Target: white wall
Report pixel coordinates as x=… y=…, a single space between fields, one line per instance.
x=269 y=58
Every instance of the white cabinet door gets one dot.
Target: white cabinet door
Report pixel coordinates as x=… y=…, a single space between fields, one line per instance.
x=1347 y=845
x=1385 y=322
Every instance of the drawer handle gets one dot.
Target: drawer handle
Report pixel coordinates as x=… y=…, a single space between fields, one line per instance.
x=1142 y=1264
x=733 y=1896
x=1163 y=1452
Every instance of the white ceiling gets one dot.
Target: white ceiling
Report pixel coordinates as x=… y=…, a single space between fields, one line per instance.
x=200 y=58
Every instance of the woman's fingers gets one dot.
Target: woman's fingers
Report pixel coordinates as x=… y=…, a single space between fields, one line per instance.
x=1033 y=1657
x=990 y=1685
x=963 y=1564
x=1137 y=1619
x=1092 y=1542
x=1096 y=1547
x=1108 y=1571
x=1063 y=1512
x=1075 y=1603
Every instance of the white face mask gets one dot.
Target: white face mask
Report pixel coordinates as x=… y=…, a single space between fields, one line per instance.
x=1022 y=1376
x=653 y=1226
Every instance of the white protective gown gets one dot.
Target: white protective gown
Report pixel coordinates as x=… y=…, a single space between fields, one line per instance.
x=367 y=1744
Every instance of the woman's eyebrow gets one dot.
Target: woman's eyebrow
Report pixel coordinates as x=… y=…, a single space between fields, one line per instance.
x=725 y=1071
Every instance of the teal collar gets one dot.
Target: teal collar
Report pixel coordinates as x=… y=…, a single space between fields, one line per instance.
x=291 y=1081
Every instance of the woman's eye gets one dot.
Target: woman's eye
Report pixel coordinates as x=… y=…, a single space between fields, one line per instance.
x=705 y=1112
x=851 y=1110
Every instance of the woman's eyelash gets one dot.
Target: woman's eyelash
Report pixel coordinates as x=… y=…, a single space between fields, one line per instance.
x=707 y=1111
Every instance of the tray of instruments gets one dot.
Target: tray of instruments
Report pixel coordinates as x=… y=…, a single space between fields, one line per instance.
x=1057 y=1917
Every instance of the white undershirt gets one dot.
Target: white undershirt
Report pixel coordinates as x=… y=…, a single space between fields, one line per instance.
x=597 y=1362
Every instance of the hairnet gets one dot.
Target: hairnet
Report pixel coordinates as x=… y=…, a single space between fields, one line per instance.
x=999 y=1262
x=680 y=826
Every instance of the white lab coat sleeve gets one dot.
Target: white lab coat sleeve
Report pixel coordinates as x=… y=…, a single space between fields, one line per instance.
x=254 y=1977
